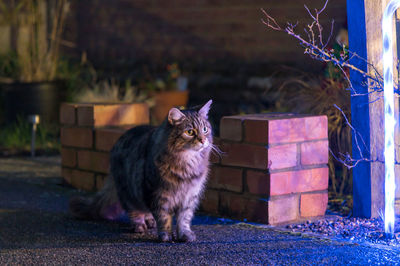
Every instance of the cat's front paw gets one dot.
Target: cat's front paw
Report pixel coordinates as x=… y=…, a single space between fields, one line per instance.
x=151 y=223
x=187 y=236
x=164 y=237
x=139 y=228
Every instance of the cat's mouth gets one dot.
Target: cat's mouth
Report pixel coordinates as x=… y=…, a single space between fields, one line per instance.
x=201 y=146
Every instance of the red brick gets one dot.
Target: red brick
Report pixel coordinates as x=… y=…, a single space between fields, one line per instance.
x=246 y=155
x=85 y=115
x=274 y=128
x=113 y=114
x=100 y=180
x=79 y=179
x=77 y=137
x=315 y=152
x=106 y=138
x=93 y=161
x=273 y=184
x=232 y=205
x=214 y=157
x=256 y=131
x=284 y=209
x=282 y=156
x=68 y=114
x=287 y=130
x=66 y=174
x=231 y=128
x=226 y=178
x=210 y=202
x=284 y=128
x=258 y=182
x=316 y=127
x=68 y=157
x=212 y=181
x=240 y=207
x=237 y=16
x=254 y=156
x=313 y=204
x=299 y=181
x=257 y=210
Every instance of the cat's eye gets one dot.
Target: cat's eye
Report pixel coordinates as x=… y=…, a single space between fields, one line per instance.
x=190 y=132
x=205 y=129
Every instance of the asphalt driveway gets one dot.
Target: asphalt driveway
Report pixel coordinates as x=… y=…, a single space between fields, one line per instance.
x=35 y=228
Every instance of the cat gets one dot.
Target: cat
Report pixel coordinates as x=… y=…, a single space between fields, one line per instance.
x=155 y=173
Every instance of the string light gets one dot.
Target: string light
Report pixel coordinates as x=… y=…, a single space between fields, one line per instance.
x=390 y=122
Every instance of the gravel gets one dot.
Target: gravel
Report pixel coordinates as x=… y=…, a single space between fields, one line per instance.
x=358 y=230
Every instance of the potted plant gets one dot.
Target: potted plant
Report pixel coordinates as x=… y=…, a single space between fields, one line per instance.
x=168 y=90
x=112 y=92
x=31 y=86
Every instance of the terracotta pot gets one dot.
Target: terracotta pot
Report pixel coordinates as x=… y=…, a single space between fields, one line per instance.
x=165 y=100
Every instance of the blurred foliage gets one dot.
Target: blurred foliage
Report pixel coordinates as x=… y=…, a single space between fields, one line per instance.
x=85 y=84
x=112 y=91
x=317 y=95
x=340 y=52
x=340 y=204
x=76 y=75
x=9 y=66
x=37 y=56
x=18 y=136
x=165 y=81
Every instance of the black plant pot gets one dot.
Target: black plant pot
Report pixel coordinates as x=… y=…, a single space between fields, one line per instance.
x=42 y=98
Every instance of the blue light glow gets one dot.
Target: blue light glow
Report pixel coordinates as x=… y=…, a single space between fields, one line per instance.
x=390 y=122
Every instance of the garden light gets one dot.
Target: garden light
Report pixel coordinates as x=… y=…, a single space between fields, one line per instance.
x=34 y=120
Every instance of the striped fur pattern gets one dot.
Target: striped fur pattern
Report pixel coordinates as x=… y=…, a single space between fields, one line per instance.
x=160 y=172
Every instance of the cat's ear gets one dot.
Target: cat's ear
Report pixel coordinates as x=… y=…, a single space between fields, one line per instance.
x=205 y=109
x=175 y=117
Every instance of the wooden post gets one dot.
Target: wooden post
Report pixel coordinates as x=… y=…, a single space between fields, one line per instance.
x=367 y=112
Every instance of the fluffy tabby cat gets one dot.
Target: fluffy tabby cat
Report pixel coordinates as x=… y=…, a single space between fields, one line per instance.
x=156 y=172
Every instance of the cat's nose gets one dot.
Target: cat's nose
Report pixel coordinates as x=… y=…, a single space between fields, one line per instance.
x=202 y=140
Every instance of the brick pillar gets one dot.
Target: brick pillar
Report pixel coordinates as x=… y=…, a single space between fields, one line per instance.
x=273 y=170
x=88 y=133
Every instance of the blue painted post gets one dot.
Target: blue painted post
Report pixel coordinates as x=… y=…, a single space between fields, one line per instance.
x=364 y=22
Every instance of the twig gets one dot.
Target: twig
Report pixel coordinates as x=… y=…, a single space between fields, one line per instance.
x=319 y=51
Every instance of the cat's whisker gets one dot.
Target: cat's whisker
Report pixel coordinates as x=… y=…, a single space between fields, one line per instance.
x=216 y=150
x=173 y=171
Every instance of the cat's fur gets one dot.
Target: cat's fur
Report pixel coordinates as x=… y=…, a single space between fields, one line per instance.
x=157 y=172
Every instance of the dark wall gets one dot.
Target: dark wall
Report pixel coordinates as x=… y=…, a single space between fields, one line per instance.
x=200 y=34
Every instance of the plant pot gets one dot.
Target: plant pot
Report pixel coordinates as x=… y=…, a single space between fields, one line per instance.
x=165 y=100
x=23 y=99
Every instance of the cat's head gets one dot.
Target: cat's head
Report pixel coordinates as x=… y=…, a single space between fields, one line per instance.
x=190 y=129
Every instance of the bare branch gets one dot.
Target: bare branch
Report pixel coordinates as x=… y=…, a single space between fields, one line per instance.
x=274 y=25
x=316 y=48
x=322 y=9
x=309 y=12
x=319 y=51
x=330 y=35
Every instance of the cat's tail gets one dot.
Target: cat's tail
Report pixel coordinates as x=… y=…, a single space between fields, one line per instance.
x=95 y=207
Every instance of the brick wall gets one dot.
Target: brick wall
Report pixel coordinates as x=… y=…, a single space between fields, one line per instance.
x=273 y=170
x=88 y=133
x=194 y=32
